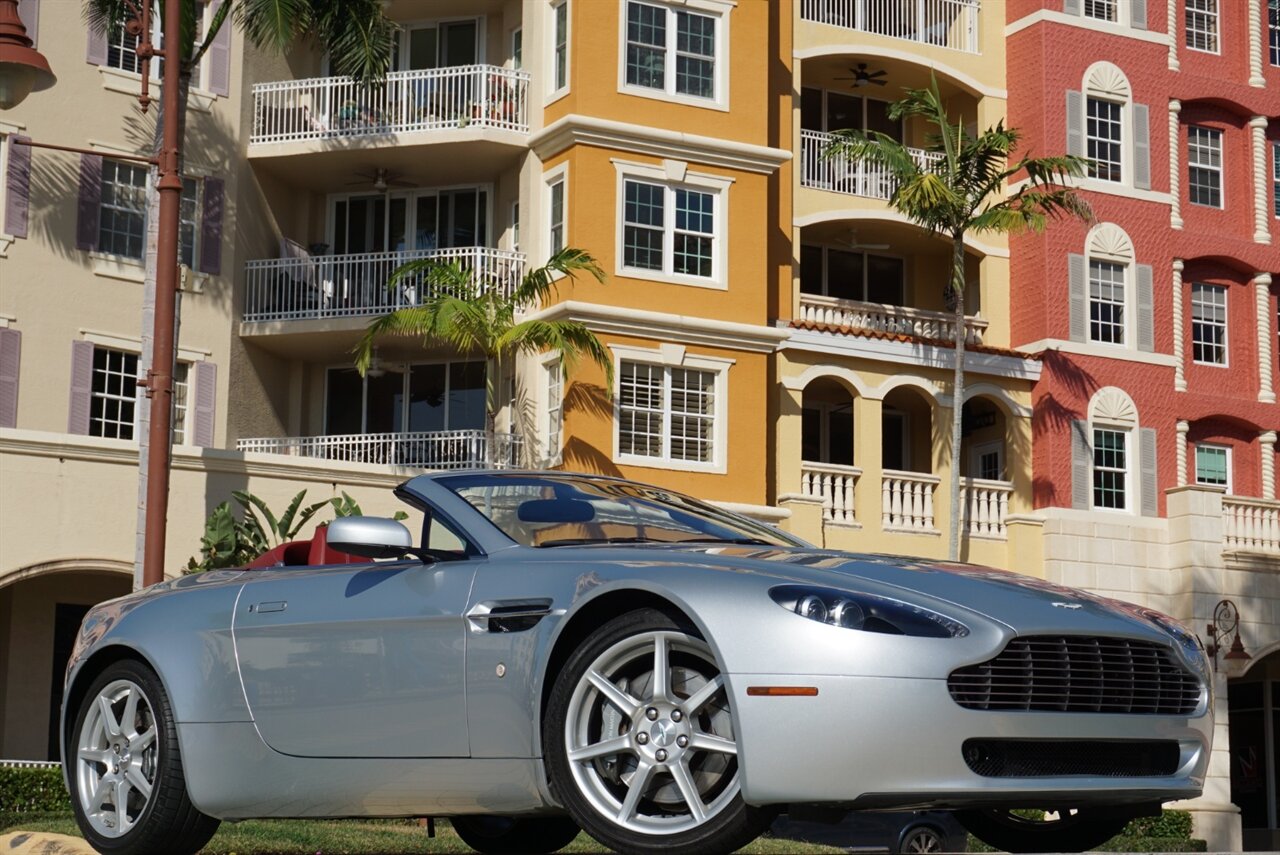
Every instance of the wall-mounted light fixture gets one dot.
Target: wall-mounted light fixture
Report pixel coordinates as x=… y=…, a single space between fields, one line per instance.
x=1226 y=624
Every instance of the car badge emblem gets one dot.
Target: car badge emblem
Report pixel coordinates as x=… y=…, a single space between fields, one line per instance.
x=1072 y=606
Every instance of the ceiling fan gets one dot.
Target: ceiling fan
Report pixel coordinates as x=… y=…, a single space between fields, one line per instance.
x=861 y=77
x=381 y=179
x=852 y=242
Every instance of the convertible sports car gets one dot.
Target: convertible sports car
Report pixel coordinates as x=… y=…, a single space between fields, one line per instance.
x=565 y=651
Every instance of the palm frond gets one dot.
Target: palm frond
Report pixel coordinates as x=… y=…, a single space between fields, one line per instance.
x=540 y=283
x=571 y=339
x=358 y=35
x=874 y=148
x=274 y=24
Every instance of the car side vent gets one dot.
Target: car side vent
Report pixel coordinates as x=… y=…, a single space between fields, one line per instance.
x=508 y=615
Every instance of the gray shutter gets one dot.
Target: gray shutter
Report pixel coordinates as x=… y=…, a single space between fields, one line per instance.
x=205 y=380
x=95 y=52
x=29 y=14
x=1077 y=303
x=90 y=201
x=1071 y=7
x=1075 y=123
x=219 y=55
x=1146 y=309
x=1138 y=15
x=10 y=359
x=17 y=189
x=81 y=387
x=1147 y=458
x=1081 y=465
x=210 y=260
x=1141 y=147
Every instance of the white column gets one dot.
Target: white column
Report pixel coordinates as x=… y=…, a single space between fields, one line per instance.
x=1255 y=43
x=1175 y=176
x=1266 y=335
x=1174 y=30
x=1183 y=428
x=1267 y=440
x=1179 y=367
x=1261 y=200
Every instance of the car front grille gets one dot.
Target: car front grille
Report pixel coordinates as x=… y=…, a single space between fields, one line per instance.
x=1039 y=758
x=1078 y=674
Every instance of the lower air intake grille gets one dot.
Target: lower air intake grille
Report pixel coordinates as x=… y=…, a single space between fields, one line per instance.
x=1078 y=674
x=1005 y=758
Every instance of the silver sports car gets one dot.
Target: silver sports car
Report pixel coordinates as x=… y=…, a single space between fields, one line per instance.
x=559 y=652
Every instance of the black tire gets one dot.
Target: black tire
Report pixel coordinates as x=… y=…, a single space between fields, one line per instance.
x=163 y=821
x=507 y=835
x=921 y=838
x=1072 y=832
x=727 y=823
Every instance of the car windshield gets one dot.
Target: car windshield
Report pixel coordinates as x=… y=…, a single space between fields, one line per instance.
x=565 y=510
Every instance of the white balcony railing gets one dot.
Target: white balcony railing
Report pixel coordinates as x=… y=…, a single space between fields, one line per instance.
x=336 y=286
x=843 y=175
x=942 y=23
x=986 y=505
x=1251 y=525
x=475 y=96
x=833 y=484
x=453 y=449
x=881 y=317
x=906 y=501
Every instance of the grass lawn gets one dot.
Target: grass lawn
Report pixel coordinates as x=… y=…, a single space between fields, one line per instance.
x=353 y=837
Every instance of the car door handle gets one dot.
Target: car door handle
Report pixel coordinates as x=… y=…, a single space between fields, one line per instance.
x=274 y=606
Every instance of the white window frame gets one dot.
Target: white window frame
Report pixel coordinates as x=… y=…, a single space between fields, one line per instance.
x=405 y=369
x=146 y=187
x=199 y=81
x=6 y=133
x=1273 y=34
x=406 y=28
x=1126 y=304
x=129 y=393
x=194 y=221
x=1124 y=143
x=1113 y=5
x=183 y=381
x=1219 y=170
x=552 y=451
x=1207 y=15
x=674 y=175
x=1275 y=179
x=671 y=356
x=827 y=249
x=717 y=9
x=180 y=424
x=554 y=92
x=995 y=446
x=558 y=175
x=515 y=226
x=517 y=48
x=1211 y=446
x=1226 y=324
x=1131 y=499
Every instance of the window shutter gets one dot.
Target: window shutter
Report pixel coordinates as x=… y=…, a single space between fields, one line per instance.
x=1077 y=302
x=10 y=357
x=96 y=51
x=1138 y=15
x=1071 y=7
x=17 y=189
x=90 y=201
x=1146 y=309
x=210 y=260
x=1081 y=466
x=219 y=55
x=29 y=14
x=1141 y=147
x=206 y=400
x=1147 y=453
x=81 y=387
x=1075 y=123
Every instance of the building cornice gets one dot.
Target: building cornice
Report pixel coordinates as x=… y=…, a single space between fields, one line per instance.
x=1101 y=351
x=664 y=326
x=576 y=129
x=1052 y=16
x=911 y=353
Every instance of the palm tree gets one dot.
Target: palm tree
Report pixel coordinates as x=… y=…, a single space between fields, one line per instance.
x=960 y=192
x=464 y=311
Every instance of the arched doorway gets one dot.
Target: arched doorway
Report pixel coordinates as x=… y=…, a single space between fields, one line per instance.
x=827 y=426
x=1253 y=702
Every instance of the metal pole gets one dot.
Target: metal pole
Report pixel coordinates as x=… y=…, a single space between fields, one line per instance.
x=160 y=378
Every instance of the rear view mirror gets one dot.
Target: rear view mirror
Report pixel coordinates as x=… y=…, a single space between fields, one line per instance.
x=555 y=511
x=370 y=537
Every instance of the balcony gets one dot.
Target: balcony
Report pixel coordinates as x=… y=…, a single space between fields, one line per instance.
x=835 y=485
x=438 y=99
x=342 y=286
x=879 y=317
x=842 y=175
x=949 y=24
x=1251 y=525
x=433 y=450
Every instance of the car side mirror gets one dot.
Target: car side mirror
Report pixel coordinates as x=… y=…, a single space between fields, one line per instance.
x=370 y=537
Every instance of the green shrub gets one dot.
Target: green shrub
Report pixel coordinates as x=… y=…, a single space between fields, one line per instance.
x=1169 y=832
x=33 y=790
x=1122 y=843
x=1171 y=824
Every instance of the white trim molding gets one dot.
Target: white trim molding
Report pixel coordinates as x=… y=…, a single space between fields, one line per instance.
x=716 y=9
x=1183 y=428
x=665 y=326
x=1179 y=347
x=1266 y=337
x=1175 y=169
x=1267 y=440
x=1261 y=197
x=1053 y=16
x=1086 y=348
x=911 y=353
x=1256 y=43
x=134 y=345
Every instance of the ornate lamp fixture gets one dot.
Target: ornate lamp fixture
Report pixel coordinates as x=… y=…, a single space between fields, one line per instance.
x=1226 y=622
x=22 y=68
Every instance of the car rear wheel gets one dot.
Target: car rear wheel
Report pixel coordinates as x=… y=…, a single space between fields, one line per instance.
x=125 y=770
x=1063 y=831
x=922 y=838
x=639 y=741
x=505 y=835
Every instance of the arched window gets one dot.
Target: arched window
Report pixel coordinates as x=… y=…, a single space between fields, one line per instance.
x=1113 y=460
x=1111 y=297
x=1108 y=129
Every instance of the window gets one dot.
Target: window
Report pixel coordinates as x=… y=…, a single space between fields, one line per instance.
x=122 y=49
x=181 y=394
x=515 y=226
x=115 y=393
x=676 y=60
x=666 y=412
x=1275 y=176
x=1204 y=165
x=1103 y=139
x=555 y=216
x=189 y=222
x=1110 y=468
x=122 y=218
x=668 y=229
x=517 y=48
x=560 y=46
x=424 y=397
x=1103 y=10
x=1209 y=324
x=1273 y=15
x=988 y=461
x=1106 y=302
x=1213 y=465
x=1202 y=25
x=826 y=110
x=555 y=401
x=851 y=275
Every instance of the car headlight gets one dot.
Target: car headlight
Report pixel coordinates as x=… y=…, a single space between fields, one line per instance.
x=1188 y=643
x=866 y=612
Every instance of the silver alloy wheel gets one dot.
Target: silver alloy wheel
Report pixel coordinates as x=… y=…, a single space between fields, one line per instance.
x=922 y=840
x=116 y=758
x=649 y=736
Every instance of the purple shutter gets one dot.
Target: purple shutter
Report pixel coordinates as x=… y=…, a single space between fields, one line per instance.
x=90 y=201
x=17 y=188
x=219 y=55
x=10 y=356
x=96 y=51
x=81 y=387
x=29 y=14
x=210 y=260
x=206 y=402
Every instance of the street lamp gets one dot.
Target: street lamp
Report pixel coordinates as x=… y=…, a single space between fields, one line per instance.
x=22 y=68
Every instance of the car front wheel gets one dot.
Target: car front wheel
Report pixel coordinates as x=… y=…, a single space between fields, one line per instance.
x=922 y=838
x=639 y=741
x=1033 y=831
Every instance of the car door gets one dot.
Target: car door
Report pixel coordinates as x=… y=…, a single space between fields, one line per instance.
x=357 y=660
